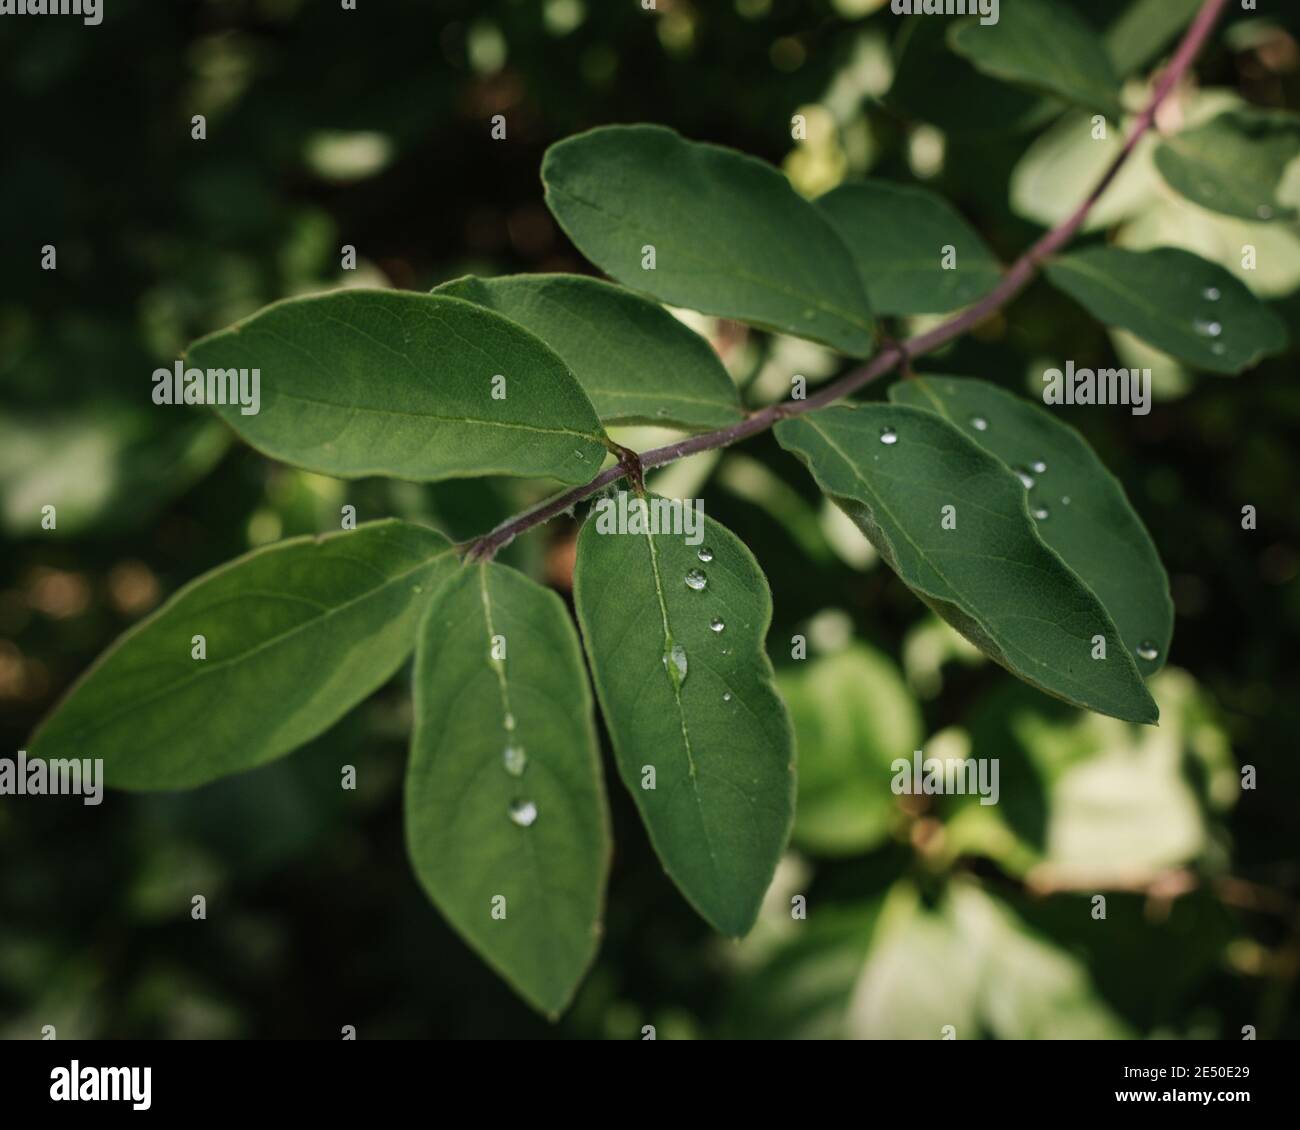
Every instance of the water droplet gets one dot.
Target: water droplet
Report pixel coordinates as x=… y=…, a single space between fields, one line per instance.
x=523 y=813
x=1218 y=349
x=515 y=760
x=979 y=423
x=726 y=697
x=888 y=436
x=1065 y=500
x=1041 y=513
x=1264 y=212
x=675 y=664
x=417 y=588
x=1148 y=651
x=509 y=721
x=1211 y=294
x=696 y=579
x=716 y=625
x=1038 y=466
x=705 y=554
x=1025 y=478
x=1208 y=329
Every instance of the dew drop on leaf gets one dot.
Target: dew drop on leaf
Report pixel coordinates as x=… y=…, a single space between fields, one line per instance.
x=705 y=554
x=675 y=664
x=696 y=579
x=1041 y=513
x=888 y=436
x=509 y=721
x=1211 y=294
x=716 y=625
x=523 y=813
x=1207 y=329
x=515 y=760
x=1025 y=477
x=726 y=696
x=1038 y=466
x=1148 y=651
x=979 y=423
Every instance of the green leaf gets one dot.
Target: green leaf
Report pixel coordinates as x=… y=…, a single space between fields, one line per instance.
x=1180 y=303
x=687 y=690
x=373 y=382
x=636 y=362
x=1088 y=519
x=1234 y=163
x=296 y=634
x=893 y=469
x=1143 y=28
x=852 y=717
x=504 y=798
x=898 y=236
x=730 y=236
x=1045 y=46
x=935 y=85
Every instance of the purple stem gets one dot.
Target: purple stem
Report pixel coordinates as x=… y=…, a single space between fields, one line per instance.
x=1017 y=277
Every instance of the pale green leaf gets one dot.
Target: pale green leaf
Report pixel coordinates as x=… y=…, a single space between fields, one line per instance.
x=1081 y=509
x=636 y=362
x=1046 y=46
x=729 y=235
x=372 y=382
x=504 y=799
x=900 y=239
x=894 y=469
x=1178 y=302
x=295 y=635
x=1084 y=797
x=674 y=634
x=1234 y=163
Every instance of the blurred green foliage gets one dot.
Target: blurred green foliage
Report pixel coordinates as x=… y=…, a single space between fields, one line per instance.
x=370 y=128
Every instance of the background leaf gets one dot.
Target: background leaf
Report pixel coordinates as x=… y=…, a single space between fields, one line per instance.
x=897 y=235
x=503 y=791
x=852 y=716
x=731 y=236
x=297 y=634
x=674 y=634
x=385 y=383
x=1177 y=301
x=1088 y=519
x=636 y=362
x=893 y=469
x=1043 y=45
x=1233 y=164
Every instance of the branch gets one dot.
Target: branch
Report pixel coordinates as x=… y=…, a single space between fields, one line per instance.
x=1017 y=277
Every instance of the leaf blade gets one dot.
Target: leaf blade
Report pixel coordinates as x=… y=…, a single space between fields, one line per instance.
x=1097 y=533
x=1042 y=632
x=720 y=813
x=356 y=636
x=731 y=236
x=470 y=834
x=360 y=382
x=1043 y=45
x=1150 y=294
x=899 y=236
x=636 y=362
x=1233 y=163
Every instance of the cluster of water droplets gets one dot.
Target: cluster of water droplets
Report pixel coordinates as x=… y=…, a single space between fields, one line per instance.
x=514 y=760
x=1210 y=326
